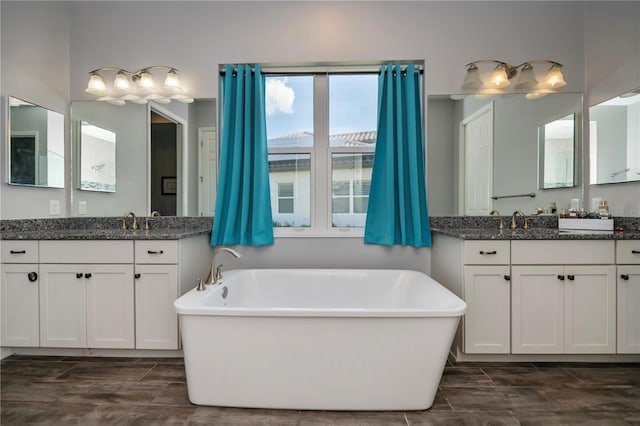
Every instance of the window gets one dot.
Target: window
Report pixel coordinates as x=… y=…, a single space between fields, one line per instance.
x=285 y=197
x=321 y=131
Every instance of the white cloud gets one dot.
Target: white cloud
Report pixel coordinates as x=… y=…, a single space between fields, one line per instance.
x=280 y=97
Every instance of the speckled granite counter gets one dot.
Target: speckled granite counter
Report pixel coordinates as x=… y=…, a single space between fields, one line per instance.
x=162 y=228
x=546 y=228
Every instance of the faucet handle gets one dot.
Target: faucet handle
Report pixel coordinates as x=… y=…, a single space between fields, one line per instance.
x=218 y=275
x=146 y=223
x=124 y=223
x=526 y=222
x=500 y=224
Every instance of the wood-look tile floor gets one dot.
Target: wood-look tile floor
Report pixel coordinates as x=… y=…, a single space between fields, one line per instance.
x=151 y=391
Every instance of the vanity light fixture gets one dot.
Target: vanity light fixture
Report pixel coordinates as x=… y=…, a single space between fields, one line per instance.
x=137 y=86
x=504 y=72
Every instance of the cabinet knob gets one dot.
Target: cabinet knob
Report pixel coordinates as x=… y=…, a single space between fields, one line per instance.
x=624 y=277
x=507 y=277
x=137 y=276
x=571 y=277
x=488 y=252
x=32 y=276
x=79 y=275
x=561 y=277
x=87 y=275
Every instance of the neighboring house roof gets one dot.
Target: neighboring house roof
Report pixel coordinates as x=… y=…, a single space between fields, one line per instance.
x=290 y=162
x=341 y=139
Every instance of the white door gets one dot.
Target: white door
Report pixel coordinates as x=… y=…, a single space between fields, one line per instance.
x=628 y=312
x=487 y=292
x=590 y=309
x=477 y=185
x=110 y=306
x=63 y=315
x=156 y=318
x=208 y=155
x=20 y=313
x=537 y=310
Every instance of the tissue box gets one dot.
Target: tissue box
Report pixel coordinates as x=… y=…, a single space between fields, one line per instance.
x=586 y=224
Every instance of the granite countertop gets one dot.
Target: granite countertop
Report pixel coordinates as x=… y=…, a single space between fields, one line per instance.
x=105 y=234
x=534 y=234
x=162 y=228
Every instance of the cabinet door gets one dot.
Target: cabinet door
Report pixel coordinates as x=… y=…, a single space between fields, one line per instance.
x=537 y=318
x=20 y=313
x=590 y=309
x=487 y=292
x=628 y=309
x=63 y=316
x=110 y=306
x=156 y=318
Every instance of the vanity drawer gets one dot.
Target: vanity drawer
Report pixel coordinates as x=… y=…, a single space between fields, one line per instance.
x=628 y=252
x=579 y=252
x=486 y=252
x=19 y=251
x=158 y=251
x=93 y=251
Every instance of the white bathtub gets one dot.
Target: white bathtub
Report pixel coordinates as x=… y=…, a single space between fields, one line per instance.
x=318 y=339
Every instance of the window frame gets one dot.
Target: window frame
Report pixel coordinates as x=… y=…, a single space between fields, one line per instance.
x=320 y=165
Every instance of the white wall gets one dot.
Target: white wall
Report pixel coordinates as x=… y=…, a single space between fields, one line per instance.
x=34 y=67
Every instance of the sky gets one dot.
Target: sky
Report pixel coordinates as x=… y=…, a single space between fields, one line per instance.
x=353 y=103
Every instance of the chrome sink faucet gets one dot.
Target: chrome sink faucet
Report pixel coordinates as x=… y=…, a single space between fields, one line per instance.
x=215 y=275
x=514 y=225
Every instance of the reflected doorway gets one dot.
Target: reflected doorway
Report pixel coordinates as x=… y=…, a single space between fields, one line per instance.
x=165 y=159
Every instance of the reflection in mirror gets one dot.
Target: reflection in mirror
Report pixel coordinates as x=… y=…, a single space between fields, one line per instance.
x=97 y=158
x=507 y=125
x=556 y=141
x=36 y=145
x=614 y=139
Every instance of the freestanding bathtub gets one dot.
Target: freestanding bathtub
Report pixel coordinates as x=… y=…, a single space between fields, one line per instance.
x=322 y=339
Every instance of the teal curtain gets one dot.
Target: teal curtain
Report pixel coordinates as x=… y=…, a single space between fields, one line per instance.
x=397 y=210
x=243 y=203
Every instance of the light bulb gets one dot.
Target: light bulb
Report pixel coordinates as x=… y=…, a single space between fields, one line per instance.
x=121 y=81
x=172 y=82
x=499 y=77
x=554 y=78
x=472 y=78
x=526 y=79
x=145 y=79
x=96 y=85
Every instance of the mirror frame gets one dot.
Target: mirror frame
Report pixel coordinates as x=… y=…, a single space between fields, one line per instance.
x=38 y=142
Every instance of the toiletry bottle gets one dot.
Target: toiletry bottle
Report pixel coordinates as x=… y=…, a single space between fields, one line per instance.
x=553 y=209
x=603 y=209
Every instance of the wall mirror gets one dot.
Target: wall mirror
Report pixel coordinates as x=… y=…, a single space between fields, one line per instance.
x=614 y=139
x=556 y=148
x=97 y=168
x=506 y=163
x=36 y=145
x=157 y=159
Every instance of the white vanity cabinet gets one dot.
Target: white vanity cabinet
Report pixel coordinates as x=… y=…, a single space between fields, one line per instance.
x=628 y=282
x=86 y=294
x=20 y=286
x=563 y=297
x=165 y=270
x=156 y=283
x=487 y=292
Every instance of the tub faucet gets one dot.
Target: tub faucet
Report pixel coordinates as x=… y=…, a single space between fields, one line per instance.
x=514 y=225
x=134 y=224
x=214 y=274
